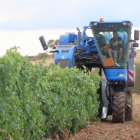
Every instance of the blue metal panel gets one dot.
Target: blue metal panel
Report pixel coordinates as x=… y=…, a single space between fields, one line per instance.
x=72 y=37
x=113 y=74
x=90 y=45
x=66 y=38
x=69 y=55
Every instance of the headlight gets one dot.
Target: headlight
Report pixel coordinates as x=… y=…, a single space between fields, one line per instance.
x=121 y=75
x=124 y=23
x=95 y=24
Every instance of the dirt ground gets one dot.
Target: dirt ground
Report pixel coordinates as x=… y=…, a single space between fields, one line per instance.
x=110 y=131
x=49 y=60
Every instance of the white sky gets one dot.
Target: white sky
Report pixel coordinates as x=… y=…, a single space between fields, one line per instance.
x=28 y=40
x=22 y=22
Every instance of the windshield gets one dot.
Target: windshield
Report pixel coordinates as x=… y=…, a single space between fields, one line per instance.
x=112 y=45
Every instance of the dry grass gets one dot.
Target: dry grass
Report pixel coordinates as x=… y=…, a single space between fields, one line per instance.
x=137 y=59
x=136 y=89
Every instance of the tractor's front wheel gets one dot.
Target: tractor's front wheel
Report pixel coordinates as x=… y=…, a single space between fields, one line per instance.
x=118 y=107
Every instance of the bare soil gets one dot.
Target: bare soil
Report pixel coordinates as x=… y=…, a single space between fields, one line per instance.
x=49 y=60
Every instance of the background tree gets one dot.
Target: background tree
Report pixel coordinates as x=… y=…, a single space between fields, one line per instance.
x=53 y=43
x=56 y=42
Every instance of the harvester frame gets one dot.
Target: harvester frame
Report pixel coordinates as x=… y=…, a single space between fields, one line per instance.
x=78 y=50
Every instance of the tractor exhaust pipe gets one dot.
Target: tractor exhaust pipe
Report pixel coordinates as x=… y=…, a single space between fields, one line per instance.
x=43 y=43
x=79 y=39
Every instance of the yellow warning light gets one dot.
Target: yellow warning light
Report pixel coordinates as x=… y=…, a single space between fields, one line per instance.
x=101 y=19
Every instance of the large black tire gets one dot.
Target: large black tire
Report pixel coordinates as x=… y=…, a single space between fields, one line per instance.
x=118 y=107
x=129 y=109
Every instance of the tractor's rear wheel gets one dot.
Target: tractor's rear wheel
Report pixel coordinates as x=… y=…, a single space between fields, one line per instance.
x=118 y=107
x=129 y=109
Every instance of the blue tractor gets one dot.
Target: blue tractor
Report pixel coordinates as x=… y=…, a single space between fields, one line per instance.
x=116 y=65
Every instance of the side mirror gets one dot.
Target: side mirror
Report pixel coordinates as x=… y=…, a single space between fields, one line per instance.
x=136 y=35
x=135 y=44
x=43 y=43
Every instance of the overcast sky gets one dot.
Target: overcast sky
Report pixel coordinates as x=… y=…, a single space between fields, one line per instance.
x=23 y=21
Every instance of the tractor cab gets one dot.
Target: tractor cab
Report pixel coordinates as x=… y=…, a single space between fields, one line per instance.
x=113 y=42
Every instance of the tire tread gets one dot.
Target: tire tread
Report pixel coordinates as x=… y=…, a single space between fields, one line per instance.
x=118 y=107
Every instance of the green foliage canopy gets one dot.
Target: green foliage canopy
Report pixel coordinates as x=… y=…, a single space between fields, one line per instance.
x=38 y=101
